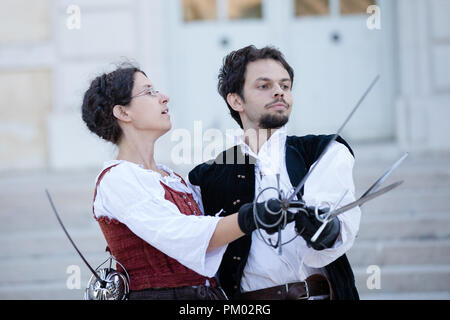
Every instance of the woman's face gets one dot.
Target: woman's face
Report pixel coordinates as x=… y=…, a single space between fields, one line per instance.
x=148 y=109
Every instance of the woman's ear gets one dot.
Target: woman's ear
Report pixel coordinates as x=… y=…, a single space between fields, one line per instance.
x=121 y=113
x=235 y=102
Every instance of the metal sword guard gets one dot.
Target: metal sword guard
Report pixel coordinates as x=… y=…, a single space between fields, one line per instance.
x=115 y=284
x=284 y=214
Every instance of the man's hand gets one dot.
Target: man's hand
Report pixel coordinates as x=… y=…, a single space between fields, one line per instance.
x=307 y=225
x=268 y=216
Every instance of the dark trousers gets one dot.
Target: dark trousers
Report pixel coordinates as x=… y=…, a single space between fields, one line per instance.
x=180 y=293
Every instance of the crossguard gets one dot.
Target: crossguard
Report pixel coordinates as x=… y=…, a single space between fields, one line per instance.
x=299 y=206
x=280 y=223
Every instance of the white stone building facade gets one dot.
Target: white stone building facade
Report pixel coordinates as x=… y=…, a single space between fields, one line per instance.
x=50 y=49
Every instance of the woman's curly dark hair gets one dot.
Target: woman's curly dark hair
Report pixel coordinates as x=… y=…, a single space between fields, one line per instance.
x=232 y=74
x=106 y=91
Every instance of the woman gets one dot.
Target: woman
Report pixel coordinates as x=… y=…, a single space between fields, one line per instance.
x=150 y=219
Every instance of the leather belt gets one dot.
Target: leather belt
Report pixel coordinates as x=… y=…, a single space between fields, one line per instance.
x=315 y=285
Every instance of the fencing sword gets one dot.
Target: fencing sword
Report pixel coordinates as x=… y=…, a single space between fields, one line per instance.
x=288 y=201
x=370 y=194
x=105 y=283
x=102 y=282
x=362 y=200
x=385 y=175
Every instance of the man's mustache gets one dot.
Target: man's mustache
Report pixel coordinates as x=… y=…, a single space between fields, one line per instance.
x=277 y=101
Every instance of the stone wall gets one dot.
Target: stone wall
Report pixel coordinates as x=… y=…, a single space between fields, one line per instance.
x=45 y=67
x=26 y=90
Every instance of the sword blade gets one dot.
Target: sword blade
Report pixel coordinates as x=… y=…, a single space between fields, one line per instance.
x=364 y=199
x=70 y=238
x=377 y=183
x=302 y=182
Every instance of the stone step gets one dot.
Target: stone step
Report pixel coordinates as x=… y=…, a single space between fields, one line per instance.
x=51 y=242
x=410 y=182
x=366 y=250
x=25 y=206
x=376 y=230
x=433 y=295
x=409 y=201
x=405 y=232
x=398 y=252
x=385 y=226
x=54 y=268
x=54 y=180
x=35 y=212
x=51 y=264
x=385 y=153
x=29 y=212
x=41 y=291
x=416 y=174
x=405 y=278
x=396 y=282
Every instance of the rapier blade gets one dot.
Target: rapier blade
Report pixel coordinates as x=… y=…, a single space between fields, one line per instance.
x=385 y=175
x=70 y=239
x=302 y=182
x=364 y=199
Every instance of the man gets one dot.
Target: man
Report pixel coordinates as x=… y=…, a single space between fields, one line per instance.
x=256 y=84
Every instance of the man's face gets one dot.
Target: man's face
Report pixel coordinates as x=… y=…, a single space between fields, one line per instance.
x=267 y=95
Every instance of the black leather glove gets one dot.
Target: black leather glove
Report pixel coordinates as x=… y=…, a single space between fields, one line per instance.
x=247 y=222
x=307 y=225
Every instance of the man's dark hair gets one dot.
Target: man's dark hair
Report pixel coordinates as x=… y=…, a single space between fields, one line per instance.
x=232 y=73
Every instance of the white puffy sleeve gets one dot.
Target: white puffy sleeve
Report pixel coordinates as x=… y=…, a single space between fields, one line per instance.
x=328 y=182
x=135 y=197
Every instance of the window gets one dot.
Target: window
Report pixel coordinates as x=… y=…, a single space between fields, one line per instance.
x=203 y=10
x=355 y=6
x=312 y=7
x=244 y=9
x=194 y=10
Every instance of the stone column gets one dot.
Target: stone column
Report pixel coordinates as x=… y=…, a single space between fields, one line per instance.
x=423 y=105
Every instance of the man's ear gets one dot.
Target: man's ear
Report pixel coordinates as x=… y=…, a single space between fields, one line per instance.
x=121 y=113
x=236 y=102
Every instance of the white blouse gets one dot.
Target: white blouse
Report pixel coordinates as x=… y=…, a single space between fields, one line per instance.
x=134 y=196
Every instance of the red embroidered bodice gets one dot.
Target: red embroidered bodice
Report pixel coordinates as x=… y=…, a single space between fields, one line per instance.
x=147 y=266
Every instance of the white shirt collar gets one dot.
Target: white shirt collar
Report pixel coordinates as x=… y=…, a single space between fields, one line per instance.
x=172 y=177
x=277 y=139
x=271 y=154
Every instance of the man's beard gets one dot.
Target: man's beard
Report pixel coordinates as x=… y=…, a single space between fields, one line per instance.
x=272 y=121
